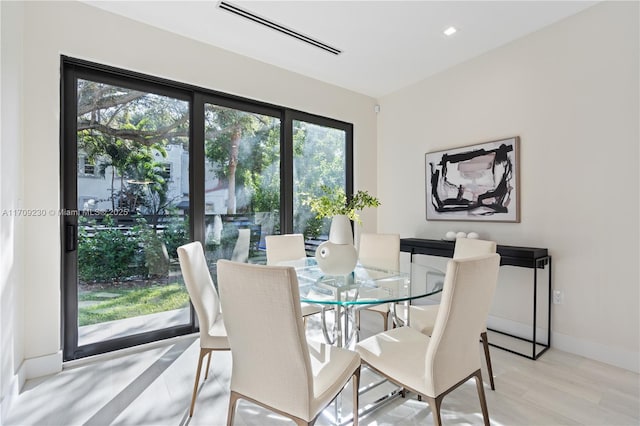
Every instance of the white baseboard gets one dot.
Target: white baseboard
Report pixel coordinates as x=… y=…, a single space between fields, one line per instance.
x=615 y=356
x=43 y=365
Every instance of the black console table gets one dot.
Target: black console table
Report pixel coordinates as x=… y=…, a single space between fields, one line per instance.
x=525 y=257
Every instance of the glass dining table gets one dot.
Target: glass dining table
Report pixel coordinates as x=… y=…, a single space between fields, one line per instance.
x=366 y=286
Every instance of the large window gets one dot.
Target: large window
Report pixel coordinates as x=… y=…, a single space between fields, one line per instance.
x=150 y=164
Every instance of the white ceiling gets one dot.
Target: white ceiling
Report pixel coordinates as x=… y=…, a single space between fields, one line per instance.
x=386 y=45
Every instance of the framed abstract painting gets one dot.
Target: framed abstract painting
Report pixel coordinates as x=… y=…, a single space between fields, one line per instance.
x=474 y=183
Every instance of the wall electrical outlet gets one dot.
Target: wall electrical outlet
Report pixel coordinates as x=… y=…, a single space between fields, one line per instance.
x=558 y=297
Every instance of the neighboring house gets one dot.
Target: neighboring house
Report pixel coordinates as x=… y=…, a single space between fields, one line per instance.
x=95 y=192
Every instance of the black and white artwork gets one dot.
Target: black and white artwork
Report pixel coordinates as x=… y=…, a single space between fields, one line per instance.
x=474 y=183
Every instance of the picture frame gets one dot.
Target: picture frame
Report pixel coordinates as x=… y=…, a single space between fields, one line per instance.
x=478 y=182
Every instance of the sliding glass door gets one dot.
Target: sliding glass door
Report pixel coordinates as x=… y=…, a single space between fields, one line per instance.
x=150 y=164
x=128 y=151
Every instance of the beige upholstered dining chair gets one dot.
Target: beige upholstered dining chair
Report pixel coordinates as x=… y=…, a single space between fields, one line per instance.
x=285 y=248
x=380 y=251
x=288 y=249
x=273 y=364
x=423 y=317
x=434 y=366
x=203 y=295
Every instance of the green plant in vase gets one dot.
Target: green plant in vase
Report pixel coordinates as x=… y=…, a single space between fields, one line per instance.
x=333 y=202
x=338 y=256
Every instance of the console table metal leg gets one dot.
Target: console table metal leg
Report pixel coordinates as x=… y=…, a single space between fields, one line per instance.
x=549 y=305
x=535 y=311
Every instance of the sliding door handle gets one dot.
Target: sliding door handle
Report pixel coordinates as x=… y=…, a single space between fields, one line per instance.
x=71 y=237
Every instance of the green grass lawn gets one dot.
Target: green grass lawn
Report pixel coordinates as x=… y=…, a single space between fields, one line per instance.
x=120 y=303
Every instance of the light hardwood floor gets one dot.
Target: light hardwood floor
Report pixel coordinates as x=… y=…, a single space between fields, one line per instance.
x=153 y=387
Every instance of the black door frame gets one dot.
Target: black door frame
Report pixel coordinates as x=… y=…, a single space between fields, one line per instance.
x=72 y=70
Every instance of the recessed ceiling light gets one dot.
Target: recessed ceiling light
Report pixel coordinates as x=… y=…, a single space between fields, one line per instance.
x=450 y=31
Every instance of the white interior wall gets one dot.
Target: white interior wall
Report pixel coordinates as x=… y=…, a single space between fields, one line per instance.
x=11 y=225
x=570 y=91
x=77 y=30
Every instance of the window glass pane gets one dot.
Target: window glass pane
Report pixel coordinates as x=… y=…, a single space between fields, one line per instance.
x=319 y=159
x=133 y=184
x=242 y=183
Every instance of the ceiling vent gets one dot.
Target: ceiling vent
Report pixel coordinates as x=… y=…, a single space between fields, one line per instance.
x=284 y=30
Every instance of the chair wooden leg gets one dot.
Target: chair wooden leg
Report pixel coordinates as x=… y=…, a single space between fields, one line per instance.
x=483 y=400
x=232 y=407
x=206 y=373
x=435 y=403
x=385 y=318
x=487 y=356
x=356 y=395
x=203 y=352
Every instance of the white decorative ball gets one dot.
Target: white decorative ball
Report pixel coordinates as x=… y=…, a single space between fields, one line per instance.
x=451 y=235
x=336 y=259
x=461 y=235
x=473 y=235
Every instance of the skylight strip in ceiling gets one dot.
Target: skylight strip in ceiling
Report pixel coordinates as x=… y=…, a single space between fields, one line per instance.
x=282 y=29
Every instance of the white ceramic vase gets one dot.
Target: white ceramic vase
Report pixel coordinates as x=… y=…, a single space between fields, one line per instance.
x=338 y=255
x=340 y=231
